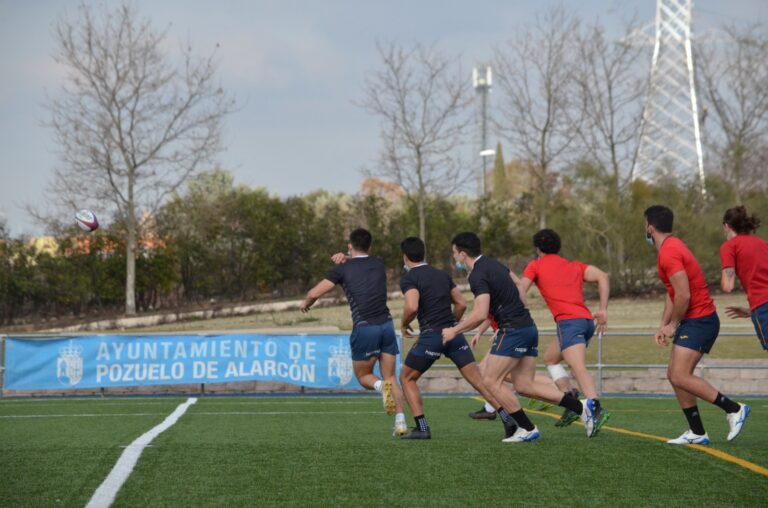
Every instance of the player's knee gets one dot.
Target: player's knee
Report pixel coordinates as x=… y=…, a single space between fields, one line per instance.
x=551 y=358
x=675 y=378
x=490 y=381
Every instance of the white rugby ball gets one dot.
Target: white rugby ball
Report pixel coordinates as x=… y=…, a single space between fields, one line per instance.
x=86 y=219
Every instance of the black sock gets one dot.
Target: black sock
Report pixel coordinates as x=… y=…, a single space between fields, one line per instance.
x=694 y=420
x=504 y=415
x=570 y=402
x=522 y=420
x=574 y=392
x=421 y=423
x=726 y=404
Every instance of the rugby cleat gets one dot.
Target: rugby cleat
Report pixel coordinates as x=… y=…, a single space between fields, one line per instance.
x=567 y=418
x=589 y=416
x=400 y=429
x=736 y=421
x=386 y=395
x=602 y=417
x=689 y=437
x=482 y=414
x=417 y=434
x=510 y=428
x=523 y=436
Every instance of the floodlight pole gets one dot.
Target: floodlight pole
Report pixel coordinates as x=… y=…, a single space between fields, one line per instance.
x=482 y=78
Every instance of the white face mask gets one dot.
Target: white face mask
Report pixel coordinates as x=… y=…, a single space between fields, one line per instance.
x=649 y=239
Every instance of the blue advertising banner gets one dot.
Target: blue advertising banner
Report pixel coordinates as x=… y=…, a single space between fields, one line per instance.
x=314 y=361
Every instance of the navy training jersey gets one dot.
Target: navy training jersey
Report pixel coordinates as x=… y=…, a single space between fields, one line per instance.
x=491 y=277
x=364 y=280
x=434 y=287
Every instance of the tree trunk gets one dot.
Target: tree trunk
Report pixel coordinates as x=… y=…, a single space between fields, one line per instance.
x=130 y=269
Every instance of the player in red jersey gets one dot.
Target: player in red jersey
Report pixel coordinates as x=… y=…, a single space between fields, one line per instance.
x=560 y=282
x=691 y=319
x=745 y=255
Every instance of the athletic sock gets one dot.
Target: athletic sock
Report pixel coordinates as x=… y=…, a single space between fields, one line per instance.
x=400 y=418
x=694 y=420
x=726 y=404
x=489 y=408
x=570 y=402
x=421 y=423
x=522 y=420
x=377 y=385
x=504 y=415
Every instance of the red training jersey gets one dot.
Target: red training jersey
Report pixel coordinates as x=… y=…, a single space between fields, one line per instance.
x=748 y=254
x=560 y=282
x=674 y=257
x=494 y=324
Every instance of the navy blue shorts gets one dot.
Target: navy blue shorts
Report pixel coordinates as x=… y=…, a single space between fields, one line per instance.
x=516 y=342
x=430 y=346
x=574 y=331
x=760 y=320
x=372 y=340
x=698 y=333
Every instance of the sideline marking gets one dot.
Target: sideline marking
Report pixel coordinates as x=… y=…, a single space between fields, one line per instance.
x=711 y=451
x=204 y=413
x=105 y=494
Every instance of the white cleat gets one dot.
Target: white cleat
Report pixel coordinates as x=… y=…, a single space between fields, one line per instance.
x=400 y=429
x=522 y=436
x=689 y=437
x=736 y=421
x=589 y=416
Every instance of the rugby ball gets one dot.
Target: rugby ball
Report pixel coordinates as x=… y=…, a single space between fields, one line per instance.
x=86 y=219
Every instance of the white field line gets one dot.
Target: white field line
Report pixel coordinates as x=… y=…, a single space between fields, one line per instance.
x=105 y=494
x=209 y=402
x=205 y=413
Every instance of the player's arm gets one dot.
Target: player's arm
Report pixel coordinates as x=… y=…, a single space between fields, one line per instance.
x=522 y=287
x=316 y=292
x=339 y=258
x=459 y=303
x=410 y=309
x=594 y=274
x=479 y=333
x=679 y=282
x=728 y=279
x=665 y=316
x=478 y=314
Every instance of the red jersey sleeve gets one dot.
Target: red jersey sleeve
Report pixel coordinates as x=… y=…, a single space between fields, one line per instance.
x=531 y=270
x=727 y=255
x=582 y=267
x=672 y=262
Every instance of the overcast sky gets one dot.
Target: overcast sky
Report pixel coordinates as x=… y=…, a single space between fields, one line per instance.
x=295 y=68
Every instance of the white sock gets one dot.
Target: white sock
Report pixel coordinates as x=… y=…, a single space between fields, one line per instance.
x=489 y=408
x=377 y=385
x=400 y=418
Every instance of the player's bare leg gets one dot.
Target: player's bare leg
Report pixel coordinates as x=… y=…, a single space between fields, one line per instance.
x=553 y=356
x=576 y=358
x=387 y=365
x=471 y=372
x=408 y=379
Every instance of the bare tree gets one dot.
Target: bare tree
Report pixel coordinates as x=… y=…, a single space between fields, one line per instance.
x=131 y=126
x=610 y=94
x=422 y=100
x=733 y=77
x=535 y=75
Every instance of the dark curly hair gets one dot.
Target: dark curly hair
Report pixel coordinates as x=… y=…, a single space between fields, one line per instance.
x=547 y=241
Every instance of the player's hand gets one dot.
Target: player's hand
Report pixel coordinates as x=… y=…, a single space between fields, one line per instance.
x=669 y=329
x=474 y=341
x=407 y=332
x=304 y=306
x=339 y=258
x=448 y=335
x=601 y=320
x=734 y=312
x=660 y=339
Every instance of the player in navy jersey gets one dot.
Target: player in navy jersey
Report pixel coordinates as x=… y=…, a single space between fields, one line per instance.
x=515 y=346
x=373 y=338
x=429 y=294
